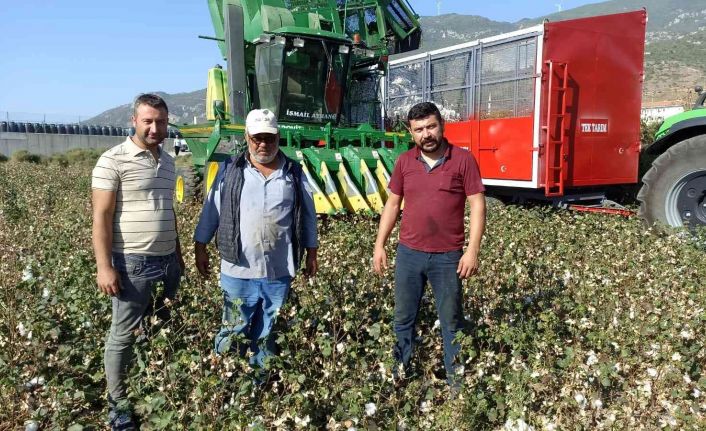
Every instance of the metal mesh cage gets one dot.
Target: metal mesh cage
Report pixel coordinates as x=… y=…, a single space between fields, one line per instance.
x=525 y=97
x=494 y=80
x=453 y=104
x=406 y=79
x=497 y=100
x=364 y=104
x=498 y=63
x=400 y=106
x=527 y=57
x=450 y=71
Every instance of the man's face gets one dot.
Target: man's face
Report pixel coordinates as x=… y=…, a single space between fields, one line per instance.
x=150 y=125
x=263 y=147
x=428 y=133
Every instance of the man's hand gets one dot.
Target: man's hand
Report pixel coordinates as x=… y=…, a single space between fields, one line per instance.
x=311 y=265
x=108 y=281
x=379 y=260
x=202 y=259
x=468 y=265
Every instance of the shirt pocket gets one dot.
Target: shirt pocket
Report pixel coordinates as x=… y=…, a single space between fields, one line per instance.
x=450 y=182
x=282 y=193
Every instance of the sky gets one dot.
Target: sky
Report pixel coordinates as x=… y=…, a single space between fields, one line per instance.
x=73 y=59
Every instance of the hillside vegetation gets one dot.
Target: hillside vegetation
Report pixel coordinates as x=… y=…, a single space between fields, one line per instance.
x=578 y=321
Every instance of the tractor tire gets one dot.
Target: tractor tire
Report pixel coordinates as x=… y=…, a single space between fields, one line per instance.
x=674 y=189
x=188 y=184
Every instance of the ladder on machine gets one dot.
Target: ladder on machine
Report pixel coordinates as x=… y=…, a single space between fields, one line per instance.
x=556 y=124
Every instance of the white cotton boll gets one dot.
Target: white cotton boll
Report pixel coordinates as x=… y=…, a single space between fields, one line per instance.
x=425 y=407
x=31 y=426
x=597 y=404
x=567 y=277
x=676 y=357
x=686 y=334
x=21 y=329
x=35 y=382
x=46 y=293
x=340 y=347
x=580 y=400
x=437 y=323
x=302 y=422
x=652 y=372
x=370 y=409
x=592 y=358
x=696 y=393
x=517 y=425
x=27 y=274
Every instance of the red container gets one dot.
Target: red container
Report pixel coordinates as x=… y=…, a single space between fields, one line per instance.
x=546 y=109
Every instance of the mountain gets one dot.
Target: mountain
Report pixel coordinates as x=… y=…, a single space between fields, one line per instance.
x=674 y=53
x=183 y=108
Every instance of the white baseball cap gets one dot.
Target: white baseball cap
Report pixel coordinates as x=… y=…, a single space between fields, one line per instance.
x=261 y=121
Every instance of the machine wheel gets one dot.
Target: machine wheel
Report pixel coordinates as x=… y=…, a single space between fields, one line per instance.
x=674 y=189
x=188 y=184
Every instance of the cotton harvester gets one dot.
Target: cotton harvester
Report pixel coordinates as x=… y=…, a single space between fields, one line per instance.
x=318 y=65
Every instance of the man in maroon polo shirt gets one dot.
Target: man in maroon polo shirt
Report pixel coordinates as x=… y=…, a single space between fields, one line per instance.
x=435 y=179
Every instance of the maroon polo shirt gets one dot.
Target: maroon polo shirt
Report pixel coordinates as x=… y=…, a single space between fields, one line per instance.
x=435 y=199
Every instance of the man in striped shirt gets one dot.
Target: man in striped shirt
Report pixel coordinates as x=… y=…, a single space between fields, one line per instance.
x=135 y=241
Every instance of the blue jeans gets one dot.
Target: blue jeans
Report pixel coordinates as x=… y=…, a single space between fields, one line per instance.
x=138 y=276
x=250 y=308
x=412 y=271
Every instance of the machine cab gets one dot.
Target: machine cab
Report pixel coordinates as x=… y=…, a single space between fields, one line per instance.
x=301 y=78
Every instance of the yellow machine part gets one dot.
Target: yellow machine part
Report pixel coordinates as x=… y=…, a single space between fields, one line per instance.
x=179 y=189
x=216 y=89
x=211 y=173
x=383 y=179
x=372 y=191
x=321 y=201
x=330 y=189
x=351 y=196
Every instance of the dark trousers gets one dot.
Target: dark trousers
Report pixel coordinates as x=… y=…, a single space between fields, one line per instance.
x=412 y=271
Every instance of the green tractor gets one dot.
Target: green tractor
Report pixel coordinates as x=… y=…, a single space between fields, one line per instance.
x=318 y=65
x=674 y=189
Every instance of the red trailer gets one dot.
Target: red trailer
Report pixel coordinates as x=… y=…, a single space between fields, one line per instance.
x=550 y=111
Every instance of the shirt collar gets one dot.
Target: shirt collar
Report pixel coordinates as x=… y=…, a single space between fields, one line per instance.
x=134 y=149
x=446 y=156
x=280 y=158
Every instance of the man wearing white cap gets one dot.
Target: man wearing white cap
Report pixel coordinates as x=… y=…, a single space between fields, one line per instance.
x=262 y=211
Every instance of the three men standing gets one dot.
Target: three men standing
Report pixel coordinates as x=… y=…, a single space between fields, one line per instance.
x=135 y=240
x=262 y=208
x=435 y=179
x=262 y=211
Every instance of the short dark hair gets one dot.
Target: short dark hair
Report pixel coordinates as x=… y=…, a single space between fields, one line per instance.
x=423 y=110
x=149 y=99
